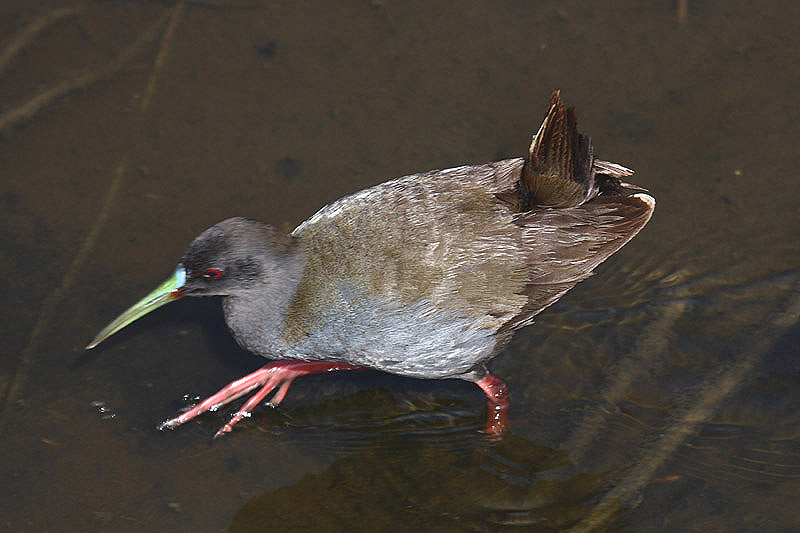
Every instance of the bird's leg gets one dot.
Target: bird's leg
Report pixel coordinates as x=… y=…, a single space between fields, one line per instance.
x=496 y=392
x=278 y=374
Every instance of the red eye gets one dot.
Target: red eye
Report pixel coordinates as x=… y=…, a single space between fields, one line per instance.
x=213 y=273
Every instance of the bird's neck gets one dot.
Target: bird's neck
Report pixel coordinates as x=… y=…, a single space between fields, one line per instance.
x=255 y=316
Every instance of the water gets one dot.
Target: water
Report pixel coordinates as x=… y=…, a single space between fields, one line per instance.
x=661 y=394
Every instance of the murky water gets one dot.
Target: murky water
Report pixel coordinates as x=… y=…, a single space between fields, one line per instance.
x=661 y=394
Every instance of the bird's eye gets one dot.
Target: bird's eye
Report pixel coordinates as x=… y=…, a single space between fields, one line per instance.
x=213 y=273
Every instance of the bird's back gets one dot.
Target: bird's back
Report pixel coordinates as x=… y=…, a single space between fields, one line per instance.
x=453 y=260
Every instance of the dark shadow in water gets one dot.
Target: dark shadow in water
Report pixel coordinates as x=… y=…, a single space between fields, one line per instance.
x=399 y=483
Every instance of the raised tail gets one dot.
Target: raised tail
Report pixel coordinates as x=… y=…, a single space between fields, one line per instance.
x=561 y=170
x=575 y=210
x=558 y=171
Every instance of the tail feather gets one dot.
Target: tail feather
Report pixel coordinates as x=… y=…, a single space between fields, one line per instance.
x=575 y=211
x=559 y=171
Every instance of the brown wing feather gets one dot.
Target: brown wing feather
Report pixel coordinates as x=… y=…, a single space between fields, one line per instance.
x=564 y=245
x=496 y=243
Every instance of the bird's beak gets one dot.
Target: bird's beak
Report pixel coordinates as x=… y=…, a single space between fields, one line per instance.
x=171 y=289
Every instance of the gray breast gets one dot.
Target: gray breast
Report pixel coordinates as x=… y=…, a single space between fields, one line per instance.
x=414 y=340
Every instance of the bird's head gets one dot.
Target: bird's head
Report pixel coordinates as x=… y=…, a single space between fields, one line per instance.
x=231 y=257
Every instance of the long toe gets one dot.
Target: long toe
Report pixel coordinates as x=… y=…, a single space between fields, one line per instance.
x=228 y=393
x=278 y=374
x=252 y=402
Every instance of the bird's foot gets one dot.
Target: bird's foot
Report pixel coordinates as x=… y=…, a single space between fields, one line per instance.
x=278 y=374
x=496 y=392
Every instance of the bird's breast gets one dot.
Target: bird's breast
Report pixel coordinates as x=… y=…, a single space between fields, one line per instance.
x=407 y=338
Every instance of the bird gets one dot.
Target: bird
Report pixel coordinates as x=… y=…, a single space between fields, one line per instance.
x=426 y=275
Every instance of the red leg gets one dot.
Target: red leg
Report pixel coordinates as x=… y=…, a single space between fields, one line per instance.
x=278 y=374
x=496 y=392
